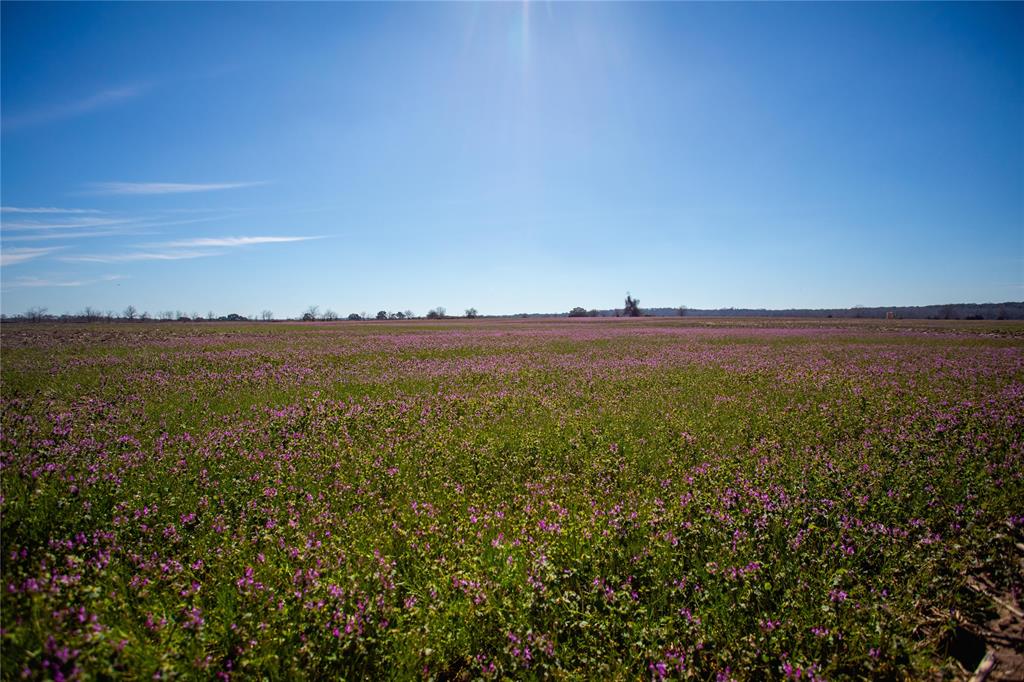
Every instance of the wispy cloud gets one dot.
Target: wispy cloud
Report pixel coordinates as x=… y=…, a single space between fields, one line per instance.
x=40 y=282
x=83 y=227
x=12 y=256
x=49 y=236
x=85 y=105
x=69 y=224
x=150 y=188
x=46 y=209
x=159 y=222
x=199 y=247
x=134 y=256
x=233 y=241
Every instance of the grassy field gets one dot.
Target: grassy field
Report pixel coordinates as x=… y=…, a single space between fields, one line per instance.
x=590 y=499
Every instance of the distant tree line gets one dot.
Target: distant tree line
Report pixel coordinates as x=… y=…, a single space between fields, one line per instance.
x=132 y=314
x=439 y=313
x=630 y=309
x=129 y=314
x=1010 y=310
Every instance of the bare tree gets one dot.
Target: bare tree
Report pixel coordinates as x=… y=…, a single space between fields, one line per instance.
x=130 y=313
x=632 y=308
x=90 y=314
x=408 y=314
x=36 y=314
x=312 y=312
x=471 y=313
x=438 y=313
x=266 y=316
x=330 y=315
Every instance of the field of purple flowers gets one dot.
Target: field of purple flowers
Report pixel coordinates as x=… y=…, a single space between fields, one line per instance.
x=574 y=499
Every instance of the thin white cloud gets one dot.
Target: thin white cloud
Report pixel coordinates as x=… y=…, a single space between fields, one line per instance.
x=71 y=224
x=165 y=223
x=99 y=100
x=134 y=256
x=40 y=282
x=199 y=247
x=12 y=256
x=233 y=241
x=148 y=188
x=47 y=236
x=87 y=227
x=46 y=209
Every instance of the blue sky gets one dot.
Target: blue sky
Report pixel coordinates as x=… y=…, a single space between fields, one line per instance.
x=512 y=157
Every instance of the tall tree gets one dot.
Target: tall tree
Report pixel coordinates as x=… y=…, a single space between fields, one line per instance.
x=632 y=308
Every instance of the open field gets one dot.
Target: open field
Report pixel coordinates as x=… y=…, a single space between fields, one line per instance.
x=741 y=499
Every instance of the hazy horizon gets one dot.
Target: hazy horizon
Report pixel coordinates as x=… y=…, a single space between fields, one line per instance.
x=527 y=157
